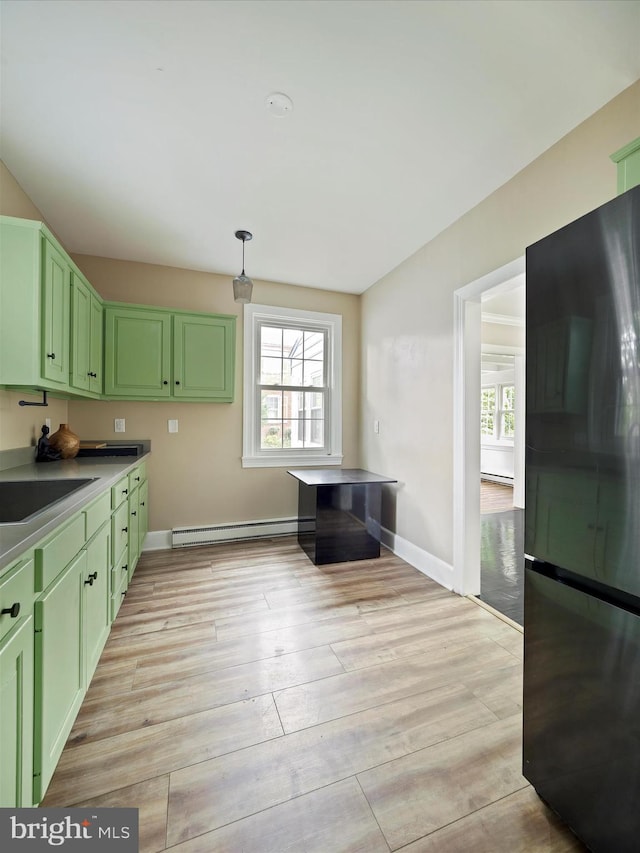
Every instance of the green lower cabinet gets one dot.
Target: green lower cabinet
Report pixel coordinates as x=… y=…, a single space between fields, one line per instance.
x=119 y=582
x=16 y=716
x=143 y=504
x=59 y=669
x=96 y=615
x=134 y=531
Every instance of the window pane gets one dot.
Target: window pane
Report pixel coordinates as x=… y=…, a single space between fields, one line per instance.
x=271 y=434
x=271 y=341
x=292 y=371
x=488 y=401
x=270 y=371
x=314 y=433
x=292 y=345
x=487 y=422
x=314 y=345
x=270 y=405
x=295 y=404
x=508 y=396
x=313 y=373
x=314 y=405
x=508 y=424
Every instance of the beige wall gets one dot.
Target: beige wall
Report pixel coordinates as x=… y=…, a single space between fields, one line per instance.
x=20 y=425
x=196 y=476
x=407 y=317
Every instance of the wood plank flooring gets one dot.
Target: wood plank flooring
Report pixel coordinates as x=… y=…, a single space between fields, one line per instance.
x=248 y=701
x=495 y=497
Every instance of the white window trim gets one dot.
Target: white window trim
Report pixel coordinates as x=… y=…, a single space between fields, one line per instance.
x=252 y=456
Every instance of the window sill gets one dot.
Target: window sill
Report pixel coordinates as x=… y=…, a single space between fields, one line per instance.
x=291 y=460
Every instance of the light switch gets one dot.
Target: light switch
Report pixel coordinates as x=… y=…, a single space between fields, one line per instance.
x=47 y=423
x=376 y=427
x=173 y=425
x=118 y=425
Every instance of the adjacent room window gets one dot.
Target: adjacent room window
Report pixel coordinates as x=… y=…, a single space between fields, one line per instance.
x=497 y=415
x=292 y=387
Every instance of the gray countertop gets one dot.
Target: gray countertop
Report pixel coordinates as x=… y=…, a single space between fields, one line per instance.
x=17 y=538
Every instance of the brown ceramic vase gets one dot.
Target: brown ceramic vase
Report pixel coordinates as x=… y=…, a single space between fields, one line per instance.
x=65 y=442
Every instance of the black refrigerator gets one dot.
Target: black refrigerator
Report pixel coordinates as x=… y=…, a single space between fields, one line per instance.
x=581 y=727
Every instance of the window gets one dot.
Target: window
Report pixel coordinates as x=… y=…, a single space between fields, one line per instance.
x=292 y=387
x=497 y=415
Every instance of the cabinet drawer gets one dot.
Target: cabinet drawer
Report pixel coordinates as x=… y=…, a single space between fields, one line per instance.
x=116 y=602
x=119 y=530
x=119 y=492
x=58 y=552
x=16 y=588
x=97 y=514
x=137 y=476
x=120 y=573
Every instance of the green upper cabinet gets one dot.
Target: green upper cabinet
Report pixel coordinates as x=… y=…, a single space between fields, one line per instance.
x=56 y=278
x=203 y=356
x=86 y=336
x=48 y=313
x=34 y=307
x=137 y=353
x=157 y=354
x=628 y=163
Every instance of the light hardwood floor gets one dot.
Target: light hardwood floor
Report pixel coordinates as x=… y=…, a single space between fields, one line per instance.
x=495 y=497
x=248 y=701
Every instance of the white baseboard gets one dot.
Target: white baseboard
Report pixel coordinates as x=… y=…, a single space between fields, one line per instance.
x=157 y=540
x=431 y=566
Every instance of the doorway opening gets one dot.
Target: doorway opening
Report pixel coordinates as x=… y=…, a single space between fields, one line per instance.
x=470 y=302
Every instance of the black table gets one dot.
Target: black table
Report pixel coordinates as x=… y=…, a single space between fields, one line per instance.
x=339 y=513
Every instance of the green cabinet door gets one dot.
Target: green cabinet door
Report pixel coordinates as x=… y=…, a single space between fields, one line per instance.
x=86 y=337
x=137 y=353
x=134 y=530
x=80 y=334
x=143 y=503
x=16 y=715
x=59 y=669
x=203 y=357
x=96 y=618
x=96 y=356
x=55 y=315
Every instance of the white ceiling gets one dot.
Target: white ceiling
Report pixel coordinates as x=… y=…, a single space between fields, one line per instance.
x=140 y=128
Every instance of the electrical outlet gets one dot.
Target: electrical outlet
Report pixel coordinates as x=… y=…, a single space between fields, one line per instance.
x=118 y=425
x=376 y=427
x=172 y=425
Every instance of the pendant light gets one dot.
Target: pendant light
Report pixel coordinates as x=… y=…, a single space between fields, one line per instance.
x=242 y=284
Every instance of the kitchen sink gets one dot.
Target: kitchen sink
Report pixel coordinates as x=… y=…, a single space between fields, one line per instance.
x=21 y=500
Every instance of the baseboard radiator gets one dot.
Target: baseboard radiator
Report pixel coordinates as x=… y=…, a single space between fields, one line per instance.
x=496 y=478
x=189 y=537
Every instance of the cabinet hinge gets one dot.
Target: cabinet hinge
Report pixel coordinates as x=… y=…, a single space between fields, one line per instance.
x=37 y=630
